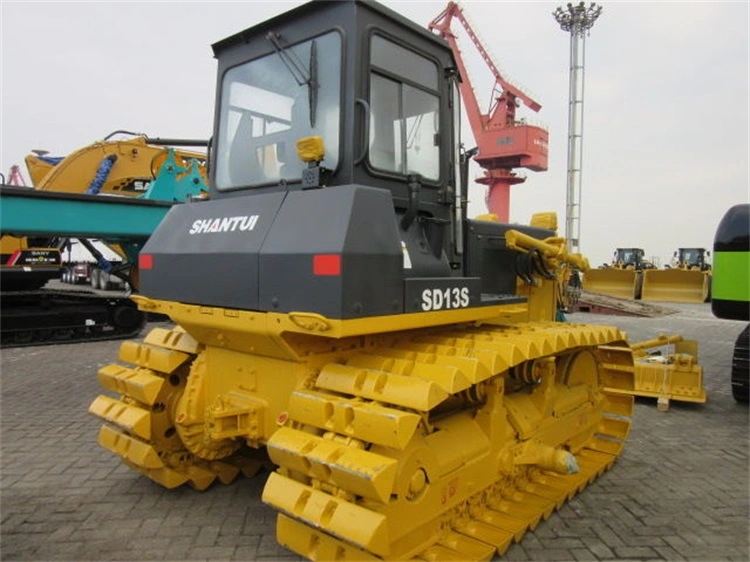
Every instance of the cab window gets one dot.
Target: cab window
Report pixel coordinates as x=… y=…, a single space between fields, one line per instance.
x=405 y=109
x=269 y=103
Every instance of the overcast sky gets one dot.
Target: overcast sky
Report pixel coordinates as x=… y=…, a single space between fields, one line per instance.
x=666 y=98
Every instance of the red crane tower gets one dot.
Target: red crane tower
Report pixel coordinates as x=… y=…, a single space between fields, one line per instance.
x=504 y=143
x=16 y=178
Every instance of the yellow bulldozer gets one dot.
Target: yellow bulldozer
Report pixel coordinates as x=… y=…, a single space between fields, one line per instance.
x=687 y=280
x=623 y=278
x=398 y=362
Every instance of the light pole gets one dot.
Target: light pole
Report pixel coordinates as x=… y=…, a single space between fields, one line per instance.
x=578 y=21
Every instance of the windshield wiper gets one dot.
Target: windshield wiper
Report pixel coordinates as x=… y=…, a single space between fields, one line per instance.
x=312 y=85
x=303 y=76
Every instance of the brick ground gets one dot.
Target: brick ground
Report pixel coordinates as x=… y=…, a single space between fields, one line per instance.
x=679 y=492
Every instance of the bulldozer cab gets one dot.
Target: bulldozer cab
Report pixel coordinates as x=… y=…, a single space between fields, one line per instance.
x=334 y=158
x=372 y=85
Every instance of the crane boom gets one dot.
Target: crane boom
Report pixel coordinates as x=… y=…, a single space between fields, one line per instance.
x=504 y=143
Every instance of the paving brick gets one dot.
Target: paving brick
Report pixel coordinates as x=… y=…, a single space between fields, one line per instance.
x=599 y=549
x=207 y=536
x=212 y=552
x=549 y=554
x=634 y=552
x=245 y=552
x=582 y=554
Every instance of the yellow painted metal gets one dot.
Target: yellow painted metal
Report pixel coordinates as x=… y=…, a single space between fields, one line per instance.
x=613 y=281
x=667 y=368
x=141 y=384
x=457 y=451
x=142 y=421
x=133 y=450
x=135 y=160
x=175 y=339
x=156 y=358
x=132 y=419
x=370 y=421
x=338 y=517
x=318 y=545
x=337 y=464
x=546 y=219
x=430 y=439
x=640 y=348
x=676 y=285
x=552 y=248
x=433 y=436
x=675 y=377
x=404 y=391
x=311 y=149
x=260 y=333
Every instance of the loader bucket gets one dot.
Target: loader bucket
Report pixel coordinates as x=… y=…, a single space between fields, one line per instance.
x=621 y=283
x=675 y=285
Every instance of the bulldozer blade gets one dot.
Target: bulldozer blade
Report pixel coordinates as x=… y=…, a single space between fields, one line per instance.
x=675 y=285
x=621 y=283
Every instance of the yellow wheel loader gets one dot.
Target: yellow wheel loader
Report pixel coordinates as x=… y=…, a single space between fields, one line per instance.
x=399 y=363
x=688 y=280
x=623 y=278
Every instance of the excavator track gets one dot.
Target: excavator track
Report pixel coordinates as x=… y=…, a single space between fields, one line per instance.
x=47 y=316
x=448 y=446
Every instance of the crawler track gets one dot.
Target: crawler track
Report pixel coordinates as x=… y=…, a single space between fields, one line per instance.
x=47 y=316
x=142 y=422
x=432 y=444
x=371 y=466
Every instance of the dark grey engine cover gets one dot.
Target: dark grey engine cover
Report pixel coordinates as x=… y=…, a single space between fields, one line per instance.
x=259 y=253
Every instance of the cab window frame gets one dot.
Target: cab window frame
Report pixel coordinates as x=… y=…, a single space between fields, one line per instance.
x=381 y=73
x=223 y=115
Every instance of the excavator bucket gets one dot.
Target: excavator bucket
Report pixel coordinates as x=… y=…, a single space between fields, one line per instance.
x=621 y=283
x=676 y=285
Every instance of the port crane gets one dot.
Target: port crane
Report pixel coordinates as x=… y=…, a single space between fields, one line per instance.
x=503 y=142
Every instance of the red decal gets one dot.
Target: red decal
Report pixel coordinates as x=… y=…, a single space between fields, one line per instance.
x=12 y=260
x=327 y=264
x=145 y=261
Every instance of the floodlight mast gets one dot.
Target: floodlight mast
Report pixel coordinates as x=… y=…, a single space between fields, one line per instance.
x=578 y=21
